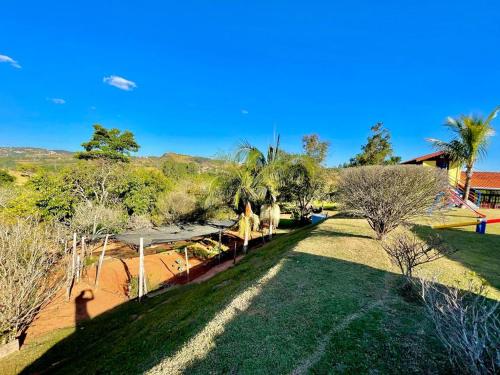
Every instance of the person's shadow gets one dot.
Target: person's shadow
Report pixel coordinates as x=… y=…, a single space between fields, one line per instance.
x=81 y=312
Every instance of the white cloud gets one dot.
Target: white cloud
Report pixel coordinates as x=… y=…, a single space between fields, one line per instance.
x=244 y=112
x=120 y=82
x=57 y=100
x=9 y=60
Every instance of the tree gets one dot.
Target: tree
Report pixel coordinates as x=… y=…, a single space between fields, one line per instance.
x=315 y=148
x=471 y=136
x=388 y=196
x=31 y=273
x=378 y=149
x=304 y=182
x=109 y=144
x=6 y=178
x=266 y=171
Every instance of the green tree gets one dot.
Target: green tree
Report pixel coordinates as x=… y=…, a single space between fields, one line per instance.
x=6 y=178
x=470 y=141
x=377 y=150
x=109 y=144
x=315 y=148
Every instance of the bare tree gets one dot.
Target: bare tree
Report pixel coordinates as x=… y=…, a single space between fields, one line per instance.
x=407 y=251
x=31 y=272
x=467 y=324
x=388 y=196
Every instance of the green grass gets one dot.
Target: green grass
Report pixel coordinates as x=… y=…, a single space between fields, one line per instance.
x=321 y=299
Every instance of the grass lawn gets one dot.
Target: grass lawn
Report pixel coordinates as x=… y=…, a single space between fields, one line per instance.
x=318 y=300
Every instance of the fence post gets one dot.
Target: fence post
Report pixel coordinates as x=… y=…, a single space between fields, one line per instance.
x=187 y=262
x=141 y=267
x=101 y=258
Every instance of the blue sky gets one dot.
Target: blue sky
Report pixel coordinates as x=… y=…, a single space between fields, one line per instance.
x=210 y=73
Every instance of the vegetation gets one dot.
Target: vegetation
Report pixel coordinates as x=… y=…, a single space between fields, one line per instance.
x=30 y=273
x=388 y=196
x=467 y=324
x=471 y=136
x=377 y=150
x=315 y=148
x=6 y=178
x=332 y=325
x=109 y=144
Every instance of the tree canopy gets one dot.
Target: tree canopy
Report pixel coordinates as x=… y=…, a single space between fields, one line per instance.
x=377 y=150
x=315 y=148
x=109 y=144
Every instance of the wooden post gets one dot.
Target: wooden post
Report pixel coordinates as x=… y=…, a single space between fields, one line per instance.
x=187 y=262
x=234 y=256
x=101 y=259
x=73 y=260
x=82 y=258
x=220 y=243
x=141 y=267
x=270 y=222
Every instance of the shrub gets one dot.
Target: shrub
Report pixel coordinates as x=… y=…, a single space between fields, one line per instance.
x=407 y=251
x=467 y=324
x=388 y=196
x=175 y=206
x=31 y=272
x=6 y=178
x=93 y=220
x=136 y=222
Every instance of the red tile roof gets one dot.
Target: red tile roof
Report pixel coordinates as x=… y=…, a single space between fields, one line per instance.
x=424 y=157
x=485 y=180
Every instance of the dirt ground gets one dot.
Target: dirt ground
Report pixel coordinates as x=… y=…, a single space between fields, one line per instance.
x=163 y=267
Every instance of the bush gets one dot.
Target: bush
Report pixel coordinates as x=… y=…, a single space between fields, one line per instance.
x=136 y=222
x=407 y=251
x=92 y=220
x=467 y=324
x=388 y=196
x=31 y=272
x=6 y=178
x=176 y=206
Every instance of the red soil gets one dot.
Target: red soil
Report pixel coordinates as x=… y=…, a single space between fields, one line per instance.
x=120 y=265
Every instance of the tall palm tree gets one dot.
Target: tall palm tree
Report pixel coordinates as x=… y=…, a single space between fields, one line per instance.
x=470 y=141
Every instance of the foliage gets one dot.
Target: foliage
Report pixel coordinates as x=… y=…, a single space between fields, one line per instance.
x=6 y=178
x=136 y=222
x=109 y=144
x=92 y=220
x=471 y=136
x=304 y=183
x=30 y=272
x=55 y=197
x=388 y=196
x=407 y=251
x=377 y=150
x=175 y=170
x=315 y=148
x=468 y=325
x=176 y=206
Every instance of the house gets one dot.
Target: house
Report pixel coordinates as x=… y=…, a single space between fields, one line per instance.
x=441 y=160
x=485 y=186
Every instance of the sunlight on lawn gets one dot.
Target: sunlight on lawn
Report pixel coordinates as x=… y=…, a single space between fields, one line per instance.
x=200 y=345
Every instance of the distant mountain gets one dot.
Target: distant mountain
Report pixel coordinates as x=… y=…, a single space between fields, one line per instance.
x=32 y=153
x=12 y=156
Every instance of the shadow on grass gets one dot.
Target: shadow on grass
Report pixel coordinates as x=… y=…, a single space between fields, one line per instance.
x=267 y=314
x=478 y=252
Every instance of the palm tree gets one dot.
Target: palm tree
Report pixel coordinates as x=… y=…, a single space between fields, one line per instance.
x=267 y=172
x=470 y=141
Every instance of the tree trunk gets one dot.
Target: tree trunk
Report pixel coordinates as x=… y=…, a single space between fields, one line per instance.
x=271 y=222
x=468 y=176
